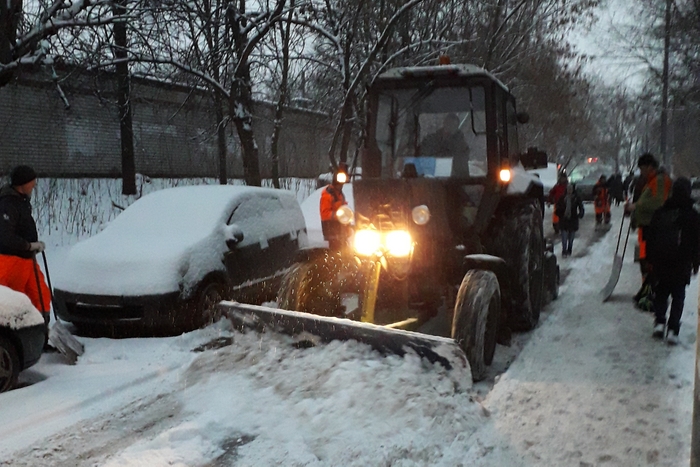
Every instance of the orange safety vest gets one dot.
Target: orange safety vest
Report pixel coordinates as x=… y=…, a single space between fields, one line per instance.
x=332 y=199
x=654 y=184
x=602 y=199
x=24 y=275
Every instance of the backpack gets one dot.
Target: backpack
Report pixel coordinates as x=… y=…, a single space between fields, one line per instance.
x=665 y=241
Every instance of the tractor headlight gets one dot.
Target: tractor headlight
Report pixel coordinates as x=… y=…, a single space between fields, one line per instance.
x=421 y=214
x=399 y=243
x=367 y=242
x=504 y=175
x=345 y=214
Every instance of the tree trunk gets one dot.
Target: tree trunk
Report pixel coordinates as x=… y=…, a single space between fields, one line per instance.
x=283 y=97
x=240 y=110
x=10 y=13
x=221 y=138
x=124 y=102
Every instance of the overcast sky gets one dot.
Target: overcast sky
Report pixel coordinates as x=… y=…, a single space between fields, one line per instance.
x=602 y=42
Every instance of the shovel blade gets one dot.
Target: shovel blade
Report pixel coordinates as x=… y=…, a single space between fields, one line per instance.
x=614 y=277
x=385 y=340
x=65 y=342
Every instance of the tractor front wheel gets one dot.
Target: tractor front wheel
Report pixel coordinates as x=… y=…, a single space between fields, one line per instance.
x=476 y=319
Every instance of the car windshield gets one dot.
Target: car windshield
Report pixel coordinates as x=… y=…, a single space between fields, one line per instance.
x=432 y=132
x=184 y=213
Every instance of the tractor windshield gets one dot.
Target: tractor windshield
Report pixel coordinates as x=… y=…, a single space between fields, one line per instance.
x=432 y=132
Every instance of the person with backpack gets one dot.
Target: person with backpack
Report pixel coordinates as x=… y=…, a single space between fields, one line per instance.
x=569 y=209
x=673 y=250
x=657 y=186
x=617 y=189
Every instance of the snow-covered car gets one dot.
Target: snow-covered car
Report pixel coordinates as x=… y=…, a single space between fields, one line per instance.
x=171 y=255
x=22 y=336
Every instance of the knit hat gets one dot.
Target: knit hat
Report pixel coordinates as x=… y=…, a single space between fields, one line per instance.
x=647 y=159
x=22 y=174
x=681 y=188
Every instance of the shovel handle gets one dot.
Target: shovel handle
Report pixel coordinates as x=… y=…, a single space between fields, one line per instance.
x=48 y=279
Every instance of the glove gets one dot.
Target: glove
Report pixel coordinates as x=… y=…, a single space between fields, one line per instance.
x=37 y=247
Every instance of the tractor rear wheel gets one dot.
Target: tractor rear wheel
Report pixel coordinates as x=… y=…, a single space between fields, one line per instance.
x=520 y=242
x=476 y=319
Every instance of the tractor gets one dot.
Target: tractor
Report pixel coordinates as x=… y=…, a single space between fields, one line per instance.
x=448 y=237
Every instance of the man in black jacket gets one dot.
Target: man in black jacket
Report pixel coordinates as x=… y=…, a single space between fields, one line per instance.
x=19 y=240
x=673 y=250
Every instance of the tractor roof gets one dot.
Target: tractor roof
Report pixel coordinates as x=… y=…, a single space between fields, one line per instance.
x=457 y=70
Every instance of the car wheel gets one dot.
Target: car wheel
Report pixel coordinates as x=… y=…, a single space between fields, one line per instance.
x=207 y=299
x=476 y=319
x=9 y=365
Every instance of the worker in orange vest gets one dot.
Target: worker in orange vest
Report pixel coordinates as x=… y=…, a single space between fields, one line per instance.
x=19 y=241
x=601 y=202
x=555 y=194
x=655 y=192
x=332 y=198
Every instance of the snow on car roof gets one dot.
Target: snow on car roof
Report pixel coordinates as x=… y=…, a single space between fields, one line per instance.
x=161 y=238
x=16 y=310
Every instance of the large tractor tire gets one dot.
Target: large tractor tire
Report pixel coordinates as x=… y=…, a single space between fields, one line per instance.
x=315 y=286
x=476 y=319
x=520 y=242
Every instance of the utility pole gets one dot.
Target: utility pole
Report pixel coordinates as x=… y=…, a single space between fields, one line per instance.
x=664 y=92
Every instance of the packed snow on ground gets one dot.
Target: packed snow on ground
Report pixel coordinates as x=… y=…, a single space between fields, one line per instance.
x=591 y=387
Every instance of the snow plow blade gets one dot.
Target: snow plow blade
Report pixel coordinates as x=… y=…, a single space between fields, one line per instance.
x=435 y=349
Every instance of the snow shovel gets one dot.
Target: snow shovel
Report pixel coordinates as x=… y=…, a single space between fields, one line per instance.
x=617 y=262
x=59 y=336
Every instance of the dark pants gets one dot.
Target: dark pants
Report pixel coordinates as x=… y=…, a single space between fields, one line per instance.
x=677 y=292
x=567 y=240
x=335 y=234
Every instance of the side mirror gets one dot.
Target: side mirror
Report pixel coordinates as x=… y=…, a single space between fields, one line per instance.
x=534 y=159
x=234 y=236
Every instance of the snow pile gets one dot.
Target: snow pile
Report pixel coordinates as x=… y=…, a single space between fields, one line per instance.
x=16 y=310
x=338 y=404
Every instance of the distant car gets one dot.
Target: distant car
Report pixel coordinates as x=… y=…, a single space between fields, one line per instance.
x=22 y=336
x=548 y=176
x=585 y=186
x=169 y=257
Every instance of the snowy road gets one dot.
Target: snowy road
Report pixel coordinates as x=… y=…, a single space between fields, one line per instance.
x=592 y=387
x=589 y=386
